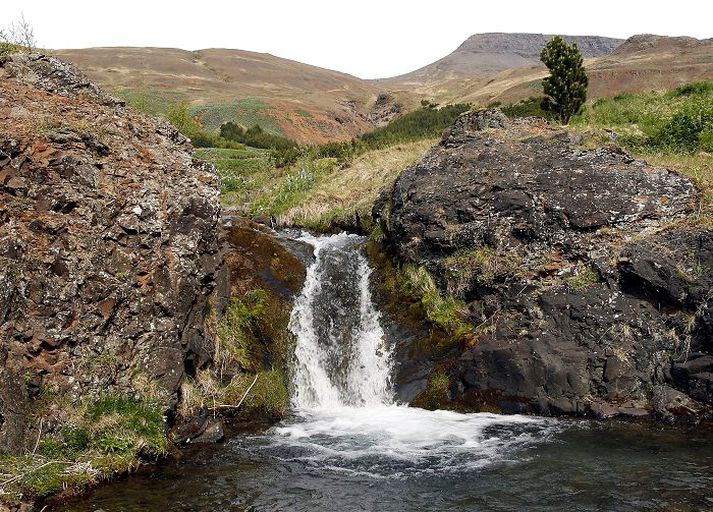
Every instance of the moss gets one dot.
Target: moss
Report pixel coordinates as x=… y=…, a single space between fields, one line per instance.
x=585 y=278
x=485 y=265
x=407 y=307
x=436 y=393
x=235 y=329
x=443 y=310
x=268 y=398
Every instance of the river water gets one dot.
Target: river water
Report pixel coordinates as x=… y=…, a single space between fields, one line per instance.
x=348 y=446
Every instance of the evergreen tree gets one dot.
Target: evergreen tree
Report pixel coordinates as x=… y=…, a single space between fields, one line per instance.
x=566 y=87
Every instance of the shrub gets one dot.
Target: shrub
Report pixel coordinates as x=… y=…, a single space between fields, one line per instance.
x=426 y=122
x=255 y=137
x=689 y=128
x=695 y=88
x=532 y=107
x=566 y=87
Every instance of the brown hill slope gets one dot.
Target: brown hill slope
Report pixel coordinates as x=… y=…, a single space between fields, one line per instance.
x=642 y=62
x=303 y=102
x=488 y=54
x=312 y=105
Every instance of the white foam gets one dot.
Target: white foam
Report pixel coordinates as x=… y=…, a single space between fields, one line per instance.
x=392 y=441
x=349 y=422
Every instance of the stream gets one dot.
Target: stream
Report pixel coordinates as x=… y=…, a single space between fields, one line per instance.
x=348 y=445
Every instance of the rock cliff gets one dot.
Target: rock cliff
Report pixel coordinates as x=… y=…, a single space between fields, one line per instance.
x=585 y=279
x=108 y=245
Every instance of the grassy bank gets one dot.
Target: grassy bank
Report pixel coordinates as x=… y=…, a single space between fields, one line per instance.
x=98 y=438
x=315 y=192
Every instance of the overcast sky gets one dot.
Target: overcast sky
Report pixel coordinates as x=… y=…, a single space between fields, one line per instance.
x=367 y=38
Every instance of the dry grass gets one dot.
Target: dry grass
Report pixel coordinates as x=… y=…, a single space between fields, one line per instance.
x=351 y=190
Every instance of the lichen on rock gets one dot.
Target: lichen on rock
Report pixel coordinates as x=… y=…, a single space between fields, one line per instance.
x=108 y=246
x=582 y=263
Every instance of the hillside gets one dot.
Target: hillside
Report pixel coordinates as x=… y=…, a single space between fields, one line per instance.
x=488 y=54
x=313 y=105
x=303 y=102
x=641 y=63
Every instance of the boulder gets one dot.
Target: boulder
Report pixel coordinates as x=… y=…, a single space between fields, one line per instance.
x=587 y=283
x=108 y=245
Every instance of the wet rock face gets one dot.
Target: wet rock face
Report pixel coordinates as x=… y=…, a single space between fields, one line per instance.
x=108 y=243
x=588 y=292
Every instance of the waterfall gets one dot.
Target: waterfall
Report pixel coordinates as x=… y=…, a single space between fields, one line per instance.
x=340 y=355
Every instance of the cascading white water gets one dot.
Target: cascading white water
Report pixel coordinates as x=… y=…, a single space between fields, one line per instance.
x=344 y=416
x=340 y=355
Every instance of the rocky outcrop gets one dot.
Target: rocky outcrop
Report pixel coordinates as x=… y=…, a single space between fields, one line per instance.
x=487 y=54
x=587 y=285
x=108 y=245
x=384 y=110
x=530 y=45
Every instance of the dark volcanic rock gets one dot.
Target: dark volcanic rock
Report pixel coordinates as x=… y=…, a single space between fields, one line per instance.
x=108 y=244
x=586 y=296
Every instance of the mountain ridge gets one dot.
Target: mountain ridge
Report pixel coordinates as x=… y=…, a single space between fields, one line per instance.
x=311 y=104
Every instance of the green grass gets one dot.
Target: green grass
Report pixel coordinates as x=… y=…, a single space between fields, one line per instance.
x=10 y=48
x=443 y=310
x=677 y=121
x=151 y=101
x=239 y=169
x=103 y=436
x=246 y=112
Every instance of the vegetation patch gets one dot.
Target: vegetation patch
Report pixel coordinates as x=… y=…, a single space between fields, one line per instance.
x=531 y=107
x=436 y=393
x=445 y=311
x=102 y=436
x=244 y=112
x=583 y=279
x=485 y=265
x=256 y=137
x=151 y=101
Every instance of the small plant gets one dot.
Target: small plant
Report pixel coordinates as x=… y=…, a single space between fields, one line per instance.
x=446 y=312
x=18 y=37
x=585 y=278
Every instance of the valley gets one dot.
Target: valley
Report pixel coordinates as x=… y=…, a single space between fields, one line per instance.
x=232 y=281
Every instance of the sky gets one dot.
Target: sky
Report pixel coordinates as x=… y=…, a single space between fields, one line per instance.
x=366 y=38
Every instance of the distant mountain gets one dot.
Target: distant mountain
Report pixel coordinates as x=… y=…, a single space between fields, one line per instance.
x=647 y=43
x=487 y=54
x=312 y=104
